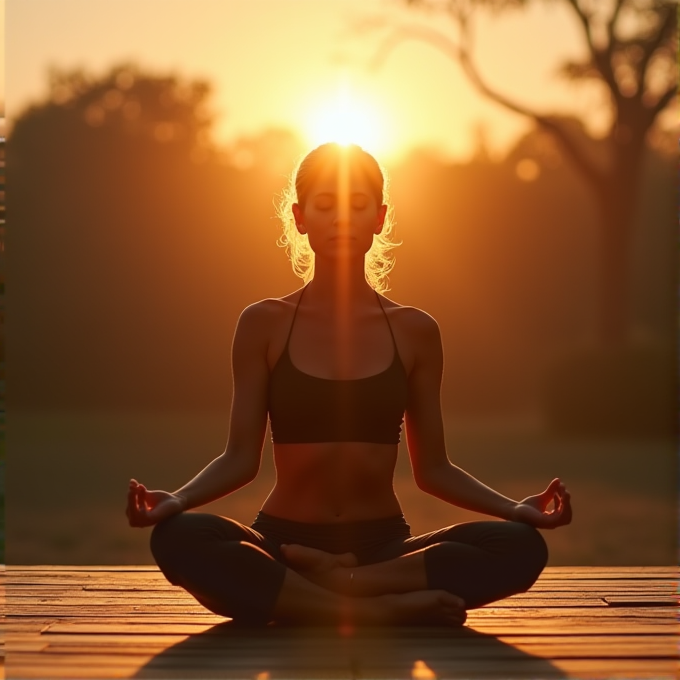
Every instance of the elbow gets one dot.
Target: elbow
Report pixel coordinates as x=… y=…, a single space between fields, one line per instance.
x=243 y=468
x=250 y=476
x=424 y=483
x=248 y=473
x=430 y=480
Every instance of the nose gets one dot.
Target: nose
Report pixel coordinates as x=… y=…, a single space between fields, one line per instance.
x=341 y=221
x=342 y=213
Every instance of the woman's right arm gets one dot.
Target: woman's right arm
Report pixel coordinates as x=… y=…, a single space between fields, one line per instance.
x=240 y=462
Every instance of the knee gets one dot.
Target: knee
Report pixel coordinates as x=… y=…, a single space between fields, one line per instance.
x=531 y=551
x=191 y=534
x=168 y=535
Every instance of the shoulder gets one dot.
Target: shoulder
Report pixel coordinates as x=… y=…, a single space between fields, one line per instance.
x=260 y=318
x=411 y=321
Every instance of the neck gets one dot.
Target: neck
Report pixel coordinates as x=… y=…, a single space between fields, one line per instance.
x=341 y=295
x=341 y=287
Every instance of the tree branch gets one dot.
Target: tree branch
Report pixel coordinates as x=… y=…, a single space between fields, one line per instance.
x=664 y=100
x=600 y=57
x=584 y=20
x=666 y=27
x=611 y=24
x=461 y=54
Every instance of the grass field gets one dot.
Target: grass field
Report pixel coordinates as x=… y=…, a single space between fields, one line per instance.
x=67 y=478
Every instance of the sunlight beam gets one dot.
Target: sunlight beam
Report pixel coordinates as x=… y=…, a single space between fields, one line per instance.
x=347 y=118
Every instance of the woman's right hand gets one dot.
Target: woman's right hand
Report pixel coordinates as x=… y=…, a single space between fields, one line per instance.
x=145 y=508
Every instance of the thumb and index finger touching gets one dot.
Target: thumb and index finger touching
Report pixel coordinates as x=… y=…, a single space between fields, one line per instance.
x=557 y=492
x=136 y=510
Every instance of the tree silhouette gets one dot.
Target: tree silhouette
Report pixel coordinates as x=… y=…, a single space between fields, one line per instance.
x=124 y=104
x=630 y=50
x=110 y=202
x=135 y=242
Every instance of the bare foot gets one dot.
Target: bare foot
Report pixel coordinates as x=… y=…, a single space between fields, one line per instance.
x=423 y=607
x=325 y=569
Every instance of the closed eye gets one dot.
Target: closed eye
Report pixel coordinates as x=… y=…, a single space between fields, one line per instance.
x=324 y=203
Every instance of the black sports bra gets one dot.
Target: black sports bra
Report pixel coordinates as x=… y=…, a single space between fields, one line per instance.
x=306 y=409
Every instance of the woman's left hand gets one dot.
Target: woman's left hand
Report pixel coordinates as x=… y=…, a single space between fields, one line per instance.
x=533 y=510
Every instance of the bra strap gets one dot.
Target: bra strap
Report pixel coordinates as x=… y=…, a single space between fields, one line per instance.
x=396 y=351
x=292 y=323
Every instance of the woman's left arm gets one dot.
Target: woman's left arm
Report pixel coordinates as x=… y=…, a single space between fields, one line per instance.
x=432 y=470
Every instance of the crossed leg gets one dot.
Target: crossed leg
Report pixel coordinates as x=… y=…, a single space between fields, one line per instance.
x=234 y=571
x=479 y=561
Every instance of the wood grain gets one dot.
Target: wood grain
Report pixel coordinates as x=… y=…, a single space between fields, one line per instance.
x=124 y=622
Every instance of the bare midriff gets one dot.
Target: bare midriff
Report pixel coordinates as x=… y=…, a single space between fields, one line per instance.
x=333 y=482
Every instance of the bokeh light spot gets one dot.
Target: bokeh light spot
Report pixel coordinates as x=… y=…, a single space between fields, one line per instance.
x=131 y=110
x=113 y=99
x=94 y=115
x=125 y=80
x=528 y=170
x=164 y=132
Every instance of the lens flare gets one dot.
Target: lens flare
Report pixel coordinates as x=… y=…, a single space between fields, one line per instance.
x=347 y=118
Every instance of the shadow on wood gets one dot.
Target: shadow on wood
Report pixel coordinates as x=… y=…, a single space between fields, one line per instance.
x=230 y=651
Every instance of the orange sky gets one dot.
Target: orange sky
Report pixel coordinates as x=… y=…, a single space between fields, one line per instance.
x=277 y=62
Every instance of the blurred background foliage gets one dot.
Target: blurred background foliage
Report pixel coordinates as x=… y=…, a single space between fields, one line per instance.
x=136 y=241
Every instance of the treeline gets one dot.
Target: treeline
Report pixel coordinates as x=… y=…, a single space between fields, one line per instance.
x=134 y=243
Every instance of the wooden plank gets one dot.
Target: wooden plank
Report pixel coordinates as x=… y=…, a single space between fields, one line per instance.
x=79 y=600
x=256 y=639
x=13 y=568
x=549 y=573
x=642 y=600
x=65 y=601
x=613 y=669
x=123 y=585
x=122 y=621
x=546 y=612
x=88 y=666
x=555 y=648
x=509 y=627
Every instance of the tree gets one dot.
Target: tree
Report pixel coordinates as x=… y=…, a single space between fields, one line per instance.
x=630 y=50
x=108 y=204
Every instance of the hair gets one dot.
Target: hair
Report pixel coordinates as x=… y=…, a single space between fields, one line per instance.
x=379 y=259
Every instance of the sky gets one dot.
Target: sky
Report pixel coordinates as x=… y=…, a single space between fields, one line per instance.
x=283 y=63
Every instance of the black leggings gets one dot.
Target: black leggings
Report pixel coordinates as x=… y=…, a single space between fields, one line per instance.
x=237 y=571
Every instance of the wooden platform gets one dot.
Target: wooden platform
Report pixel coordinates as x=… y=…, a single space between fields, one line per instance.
x=128 y=622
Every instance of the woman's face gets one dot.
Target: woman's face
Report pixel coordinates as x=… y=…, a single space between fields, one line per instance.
x=340 y=218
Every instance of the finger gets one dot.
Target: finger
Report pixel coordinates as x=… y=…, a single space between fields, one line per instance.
x=553 y=487
x=129 y=507
x=132 y=500
x=567 y=512
x=546 y=497
x=141 y=497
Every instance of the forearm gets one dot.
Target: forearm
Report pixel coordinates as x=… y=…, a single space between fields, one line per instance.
x=453 y=485
x=219 y=478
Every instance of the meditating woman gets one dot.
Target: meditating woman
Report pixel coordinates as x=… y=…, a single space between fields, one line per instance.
x=337 y=367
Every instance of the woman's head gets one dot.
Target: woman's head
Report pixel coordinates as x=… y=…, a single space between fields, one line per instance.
x=341 y=161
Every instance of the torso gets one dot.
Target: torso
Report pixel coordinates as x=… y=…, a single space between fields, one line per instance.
x=336 y=481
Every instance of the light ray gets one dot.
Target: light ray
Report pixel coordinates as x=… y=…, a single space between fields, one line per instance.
x=347 y=117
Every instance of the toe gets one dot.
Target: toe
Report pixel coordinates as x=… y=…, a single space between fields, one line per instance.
x=451 y=600
x=348 y=560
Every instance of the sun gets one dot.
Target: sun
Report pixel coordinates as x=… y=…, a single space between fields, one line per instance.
x=347 y=117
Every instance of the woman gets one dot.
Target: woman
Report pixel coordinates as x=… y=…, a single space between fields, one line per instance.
x=336 y=367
